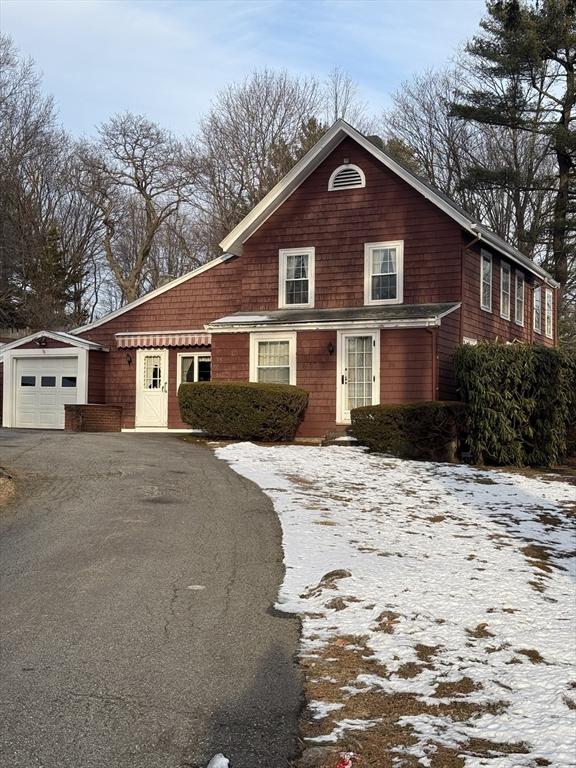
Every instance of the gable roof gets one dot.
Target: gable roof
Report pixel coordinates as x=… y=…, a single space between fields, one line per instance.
x=60 y=336
x=233 y=242
x=157 y=292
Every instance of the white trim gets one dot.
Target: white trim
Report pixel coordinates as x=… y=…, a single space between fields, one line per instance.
x=486 y=255
x=505 y=269
x=282 y=254
x=195 y=355
x=157 y=292
x=519 y=278
x=548 y=316
x=333 y=324
x=537 y=290
x=200 y=332
x=341 y=336
x=255 y=338
x=345 y=167
x=9 y=393
x=368 y=248
x=232 y=243
x=470 y=341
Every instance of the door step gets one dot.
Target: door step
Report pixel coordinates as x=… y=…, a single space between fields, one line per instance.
x=341 y=440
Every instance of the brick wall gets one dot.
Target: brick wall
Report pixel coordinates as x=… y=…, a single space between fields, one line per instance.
x=92 y=417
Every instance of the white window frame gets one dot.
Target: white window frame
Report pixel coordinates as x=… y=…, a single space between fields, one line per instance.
x=549 y=313
x=195 y=355
x=346 y=166
x=283 y=253
x=505 y=270
x=368 y=248
x=256 y=338
x=485 y=255
x=537 y=292
x=519 y=280
x=341 y=417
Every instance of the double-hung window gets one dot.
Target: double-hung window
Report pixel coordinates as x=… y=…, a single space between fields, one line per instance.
x=519 y=299
x=193 y=367
x=296 y=281
x=548 y=314
x=538 y=309
x=505 y=289
x=384 y=272
x=273 y=358
x=486 y=281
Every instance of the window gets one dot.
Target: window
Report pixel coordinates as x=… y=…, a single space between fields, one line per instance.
x=296 y=285
x=505 y=291
x=548 y=316
x=68 y=381
x=194 y=367
x=273 y=358
x=346 y=177
x=519 y=302
x=152 y=372
x=383 y=272
x=28 y=381
x=48 y=381
x=538 y=310
x=486 y=281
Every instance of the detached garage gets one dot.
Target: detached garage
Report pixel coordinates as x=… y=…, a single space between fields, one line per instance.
x=43 y=373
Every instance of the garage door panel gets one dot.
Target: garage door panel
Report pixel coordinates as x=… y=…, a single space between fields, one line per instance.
x=43 y=387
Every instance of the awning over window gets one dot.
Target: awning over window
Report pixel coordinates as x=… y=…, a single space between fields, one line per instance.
x=164 y=339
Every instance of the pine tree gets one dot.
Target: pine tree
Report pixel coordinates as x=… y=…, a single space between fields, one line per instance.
x=524 y=68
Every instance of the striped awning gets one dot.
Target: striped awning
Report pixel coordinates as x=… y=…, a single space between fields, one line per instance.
x=164 y=339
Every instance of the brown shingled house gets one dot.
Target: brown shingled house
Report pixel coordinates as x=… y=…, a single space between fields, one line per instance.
x=352 y=278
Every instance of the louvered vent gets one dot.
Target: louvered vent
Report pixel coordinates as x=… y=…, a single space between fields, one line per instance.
x=347 y=177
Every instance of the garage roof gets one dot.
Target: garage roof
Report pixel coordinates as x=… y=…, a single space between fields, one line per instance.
x=66 y=339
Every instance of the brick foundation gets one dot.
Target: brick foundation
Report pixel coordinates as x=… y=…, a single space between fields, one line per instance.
x=92 y=417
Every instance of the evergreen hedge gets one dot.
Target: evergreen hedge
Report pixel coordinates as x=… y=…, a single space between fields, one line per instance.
x=520 y=402
x=427 y=431
x=242 y=410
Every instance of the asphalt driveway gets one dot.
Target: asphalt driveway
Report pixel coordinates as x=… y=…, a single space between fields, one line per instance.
x=137 y=574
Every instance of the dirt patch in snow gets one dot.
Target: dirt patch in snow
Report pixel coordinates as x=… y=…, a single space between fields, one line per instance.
x=7 y=487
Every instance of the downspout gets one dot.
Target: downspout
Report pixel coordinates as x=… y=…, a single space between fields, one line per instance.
x=477 y=239
x=434 y=345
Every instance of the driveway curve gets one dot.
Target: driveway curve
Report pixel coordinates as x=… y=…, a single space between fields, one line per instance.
x=137 y=578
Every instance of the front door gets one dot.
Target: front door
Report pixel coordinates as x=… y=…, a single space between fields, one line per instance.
x=152 y=388
x=358 y=372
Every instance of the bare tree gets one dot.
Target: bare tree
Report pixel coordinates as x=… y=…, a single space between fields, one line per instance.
x=136 y=177
x=341 y=99
x=249 y=139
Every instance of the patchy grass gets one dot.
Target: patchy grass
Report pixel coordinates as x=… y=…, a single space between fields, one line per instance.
x=7 y=487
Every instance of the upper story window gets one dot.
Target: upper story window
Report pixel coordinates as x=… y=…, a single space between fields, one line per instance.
x=486 y=281
x=519 y=302
x=296 y=283
x=548 y=314
x=384 y=272
x=347 y=177
x=538 y=309
x=505 y=289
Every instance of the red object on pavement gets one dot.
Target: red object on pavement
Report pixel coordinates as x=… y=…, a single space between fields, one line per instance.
x=346 y=760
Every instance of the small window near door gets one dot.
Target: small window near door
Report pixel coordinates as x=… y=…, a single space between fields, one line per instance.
x=68 y=381
x=28 y=381
x=194 y=367
x=48 y=381
x=273 y=358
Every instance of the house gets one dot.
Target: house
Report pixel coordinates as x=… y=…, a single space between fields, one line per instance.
x=352 y=278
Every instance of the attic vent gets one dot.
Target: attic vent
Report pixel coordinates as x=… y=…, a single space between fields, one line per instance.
x=347 y=177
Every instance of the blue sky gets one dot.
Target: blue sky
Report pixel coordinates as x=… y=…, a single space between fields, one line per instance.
x=168 y=58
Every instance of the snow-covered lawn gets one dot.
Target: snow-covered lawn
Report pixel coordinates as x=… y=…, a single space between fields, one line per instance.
x=438 y=605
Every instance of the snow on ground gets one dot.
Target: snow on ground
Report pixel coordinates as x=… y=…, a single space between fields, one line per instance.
x=475 y=567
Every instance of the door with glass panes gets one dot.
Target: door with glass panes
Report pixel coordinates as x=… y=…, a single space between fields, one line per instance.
x=358 y=380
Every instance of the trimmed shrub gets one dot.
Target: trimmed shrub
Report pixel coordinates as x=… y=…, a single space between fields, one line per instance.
x=427 y=431
x=520 y=399
x=242 y=410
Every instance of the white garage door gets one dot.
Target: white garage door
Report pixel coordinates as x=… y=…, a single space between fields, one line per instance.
x=43 y=387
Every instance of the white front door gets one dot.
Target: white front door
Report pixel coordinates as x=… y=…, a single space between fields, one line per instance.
x=358 y=372
x=152 y=388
